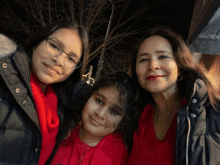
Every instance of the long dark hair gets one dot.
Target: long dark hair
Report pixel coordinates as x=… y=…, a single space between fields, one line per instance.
x=188 y=69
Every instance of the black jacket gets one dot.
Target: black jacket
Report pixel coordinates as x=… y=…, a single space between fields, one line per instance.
x=20 y=137
x=198 y=129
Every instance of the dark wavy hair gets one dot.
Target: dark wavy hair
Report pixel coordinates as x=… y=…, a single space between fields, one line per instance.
x=34 y=40
x=189 y=69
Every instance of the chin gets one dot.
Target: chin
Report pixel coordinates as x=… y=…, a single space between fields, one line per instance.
x=154 y=89
x=46 y=80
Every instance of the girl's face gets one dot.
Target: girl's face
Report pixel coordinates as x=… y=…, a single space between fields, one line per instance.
x=50 y=68
x=156 y=67
x=102 y=112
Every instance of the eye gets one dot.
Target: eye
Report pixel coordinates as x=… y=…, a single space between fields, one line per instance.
x=143 y=60
x=163 y=57
x=99 y=101
x=55 y=46
x=72 y=59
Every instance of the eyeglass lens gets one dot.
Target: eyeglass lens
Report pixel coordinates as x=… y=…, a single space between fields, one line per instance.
x=55 y=49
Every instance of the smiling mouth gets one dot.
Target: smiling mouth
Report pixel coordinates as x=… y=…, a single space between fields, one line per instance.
x=153 y=77
x=94 y=121
x=51 y=68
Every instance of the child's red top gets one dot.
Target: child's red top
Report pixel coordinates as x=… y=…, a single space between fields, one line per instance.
x=111 y=150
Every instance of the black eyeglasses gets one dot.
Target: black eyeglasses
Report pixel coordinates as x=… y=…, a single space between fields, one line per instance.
x=55 y=49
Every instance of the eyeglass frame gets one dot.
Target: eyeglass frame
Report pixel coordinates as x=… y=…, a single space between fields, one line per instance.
x=62 y=51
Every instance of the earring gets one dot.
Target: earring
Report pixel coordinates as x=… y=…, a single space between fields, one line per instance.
x=180 y=77
x=33 y=50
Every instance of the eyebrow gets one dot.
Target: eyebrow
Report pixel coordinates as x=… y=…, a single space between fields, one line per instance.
x=63 y=46
x=158 y=51
x=100 y=95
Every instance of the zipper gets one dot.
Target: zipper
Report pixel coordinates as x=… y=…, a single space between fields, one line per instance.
x=177 y=132
x=189 y=126
x=187 y=138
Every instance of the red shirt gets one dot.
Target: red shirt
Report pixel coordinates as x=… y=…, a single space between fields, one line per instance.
x=147 y=149
x=111 y=150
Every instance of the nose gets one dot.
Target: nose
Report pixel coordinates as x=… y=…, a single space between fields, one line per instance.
x=154 y=65
x=60 y=59
x=101 y=112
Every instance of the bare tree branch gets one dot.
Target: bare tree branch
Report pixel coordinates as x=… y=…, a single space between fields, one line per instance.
x=93 y=15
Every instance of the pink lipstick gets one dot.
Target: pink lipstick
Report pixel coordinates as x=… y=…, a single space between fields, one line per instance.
x=152 y=78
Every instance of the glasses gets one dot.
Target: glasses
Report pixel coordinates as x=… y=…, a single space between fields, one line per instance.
x=70 y=61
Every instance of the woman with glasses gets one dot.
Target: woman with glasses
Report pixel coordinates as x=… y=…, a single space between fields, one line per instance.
x=35 y=82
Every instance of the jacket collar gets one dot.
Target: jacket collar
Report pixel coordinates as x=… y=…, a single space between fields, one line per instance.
x=198 y=95
x=22 y=62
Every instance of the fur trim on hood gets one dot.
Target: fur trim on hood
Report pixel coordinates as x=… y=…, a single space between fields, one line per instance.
x=7 y=46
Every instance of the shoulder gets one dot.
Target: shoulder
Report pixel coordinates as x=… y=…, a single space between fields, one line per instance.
x=198 y=93
x=113 y=141
x=7 y=46
x=148 y=109
x=110 y=139
x=114 y=150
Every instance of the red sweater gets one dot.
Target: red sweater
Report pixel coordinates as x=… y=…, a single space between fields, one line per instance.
x=111 y=150
x=147 y=149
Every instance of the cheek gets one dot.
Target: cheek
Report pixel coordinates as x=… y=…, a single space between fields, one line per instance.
x=112 y=126
x=85 y=112
x=140 y=71
x=173 y=69
x=89 y=108
x=112 y=122
x=35 y=63
x=65 y=76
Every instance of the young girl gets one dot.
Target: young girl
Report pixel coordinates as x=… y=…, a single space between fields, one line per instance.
x=107 y=113
x=34 y=80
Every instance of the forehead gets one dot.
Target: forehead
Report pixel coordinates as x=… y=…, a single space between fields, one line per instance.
x=69 y=39
x=110 y=93
x=155 y=44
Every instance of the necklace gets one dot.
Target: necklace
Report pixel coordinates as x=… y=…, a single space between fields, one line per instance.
x=162 y=113
x=173 y=107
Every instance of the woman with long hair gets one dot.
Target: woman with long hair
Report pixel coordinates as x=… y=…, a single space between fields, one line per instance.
x=180 y=119
x=36 y=80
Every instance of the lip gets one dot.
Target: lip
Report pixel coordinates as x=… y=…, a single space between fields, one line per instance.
x=52 y=68
x=153 y=77
x=95 y=122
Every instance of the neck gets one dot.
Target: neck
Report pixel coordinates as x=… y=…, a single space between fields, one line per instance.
x=165 y=101
x=43 y=87
x=88 y=138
